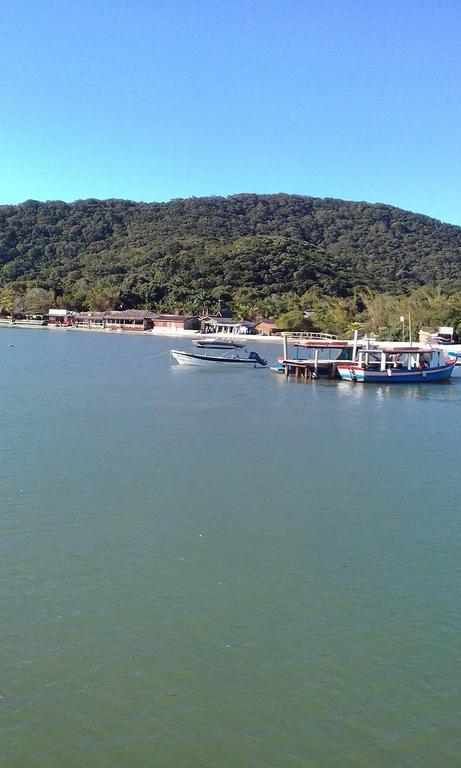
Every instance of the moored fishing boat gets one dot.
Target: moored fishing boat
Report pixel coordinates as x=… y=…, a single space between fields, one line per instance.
x=204 y=360
x=410 y=365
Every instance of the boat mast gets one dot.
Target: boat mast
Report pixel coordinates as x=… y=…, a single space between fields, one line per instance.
x=285 y=346
x=354 y=348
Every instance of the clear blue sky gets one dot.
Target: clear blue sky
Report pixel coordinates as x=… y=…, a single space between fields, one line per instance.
x=156 y=99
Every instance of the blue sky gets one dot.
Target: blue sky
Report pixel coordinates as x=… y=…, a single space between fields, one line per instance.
x=152 y=100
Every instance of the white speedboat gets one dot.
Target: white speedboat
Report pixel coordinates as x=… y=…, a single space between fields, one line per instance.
x=218 y=344
x=204 y=360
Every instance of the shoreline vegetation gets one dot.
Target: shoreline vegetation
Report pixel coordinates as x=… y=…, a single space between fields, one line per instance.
x=369 y=313
x=313 y=264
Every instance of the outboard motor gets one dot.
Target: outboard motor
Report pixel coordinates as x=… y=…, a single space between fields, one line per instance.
x=254 y=356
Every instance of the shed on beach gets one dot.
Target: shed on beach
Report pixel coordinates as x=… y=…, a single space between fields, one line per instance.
x=177 y=322
x=265 y=327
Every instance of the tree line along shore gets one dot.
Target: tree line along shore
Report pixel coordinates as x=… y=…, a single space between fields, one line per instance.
x=371 y=313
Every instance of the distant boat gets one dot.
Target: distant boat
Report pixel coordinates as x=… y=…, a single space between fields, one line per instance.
x=443 y=339
x=193 y=358
x=399 y=365
x=218 y=344
x=451 y=350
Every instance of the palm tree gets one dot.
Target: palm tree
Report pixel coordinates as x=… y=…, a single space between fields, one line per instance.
x=201 y=301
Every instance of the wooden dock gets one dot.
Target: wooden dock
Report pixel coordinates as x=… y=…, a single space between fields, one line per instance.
x=309 y=369
x=326 y=353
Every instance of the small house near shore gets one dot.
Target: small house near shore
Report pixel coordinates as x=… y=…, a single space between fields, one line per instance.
x=218 y=324
x=265 y=327
x=177 y=322
x=59 y=316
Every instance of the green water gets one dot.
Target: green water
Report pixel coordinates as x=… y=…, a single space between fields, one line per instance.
x=205 y=569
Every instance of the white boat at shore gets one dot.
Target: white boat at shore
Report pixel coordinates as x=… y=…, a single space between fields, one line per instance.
x=253 y=360
x=219 y=344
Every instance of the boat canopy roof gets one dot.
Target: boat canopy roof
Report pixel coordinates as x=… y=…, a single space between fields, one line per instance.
x=397 y=350
x=361 y=346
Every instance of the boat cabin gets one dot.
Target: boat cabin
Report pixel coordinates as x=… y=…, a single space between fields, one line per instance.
x=400 y=358
x=324 y=349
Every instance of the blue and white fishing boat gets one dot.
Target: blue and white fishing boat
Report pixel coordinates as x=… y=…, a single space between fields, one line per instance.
x=398 y=365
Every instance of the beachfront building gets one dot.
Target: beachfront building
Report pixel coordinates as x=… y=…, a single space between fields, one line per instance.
x=125 y=320
x=129 y=320
x=59 y=316
x=265 y=327
x=218 y=324
x=176 y=323
x=88 y=320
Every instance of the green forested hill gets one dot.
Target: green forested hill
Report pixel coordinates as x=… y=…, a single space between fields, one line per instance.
x=244 y=247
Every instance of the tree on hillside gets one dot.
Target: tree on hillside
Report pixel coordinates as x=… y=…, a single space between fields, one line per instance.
x=102 y=299
x=19 y=306
x=381 y=310
x=202 y=302
x=75 y=300
x=7 y=299
x=37 y=301
x=294 y=321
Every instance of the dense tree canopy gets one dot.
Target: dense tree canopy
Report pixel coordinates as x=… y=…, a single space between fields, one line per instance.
x=257 y=253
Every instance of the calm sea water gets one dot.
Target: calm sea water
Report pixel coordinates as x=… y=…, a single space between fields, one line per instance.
x=206 y=569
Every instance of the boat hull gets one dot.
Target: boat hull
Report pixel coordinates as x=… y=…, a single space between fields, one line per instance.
x=396 y=376
x=209 y=361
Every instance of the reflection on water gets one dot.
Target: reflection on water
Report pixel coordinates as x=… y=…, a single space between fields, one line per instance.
x=449 y=391
x=223 y=568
